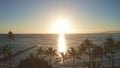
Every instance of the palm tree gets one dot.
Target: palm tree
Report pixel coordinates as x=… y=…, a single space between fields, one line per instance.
x=73 y=54
x=10 y=37
x=51 y=53
x=5 y=50
x=97 y=53
x=82 y=52
x=40 y=52
x=118 y=46
x=63 y=57
x=88 y=44
x=32 y=61
x=110 y=49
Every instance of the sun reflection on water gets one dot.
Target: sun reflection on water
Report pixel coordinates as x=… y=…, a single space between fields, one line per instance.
x=61 y=44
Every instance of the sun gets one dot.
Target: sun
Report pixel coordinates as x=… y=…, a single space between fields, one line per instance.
x=61 y=26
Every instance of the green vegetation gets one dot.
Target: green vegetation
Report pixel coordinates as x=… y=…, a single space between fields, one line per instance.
x=48 y=57
x=94 y=52
x=34 y=62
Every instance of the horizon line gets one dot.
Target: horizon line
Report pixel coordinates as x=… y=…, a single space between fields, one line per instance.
x=66 y=33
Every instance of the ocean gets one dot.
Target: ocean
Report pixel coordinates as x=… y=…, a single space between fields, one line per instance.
x=22 y=41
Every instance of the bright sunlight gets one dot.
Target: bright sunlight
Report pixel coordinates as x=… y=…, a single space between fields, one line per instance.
x=61 y=26
x=61 y=44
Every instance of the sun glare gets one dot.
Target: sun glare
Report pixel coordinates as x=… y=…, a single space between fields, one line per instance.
x=61 y=26
x=61 y=44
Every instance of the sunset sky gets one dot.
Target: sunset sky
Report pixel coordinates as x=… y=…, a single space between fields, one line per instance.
x=45 y=16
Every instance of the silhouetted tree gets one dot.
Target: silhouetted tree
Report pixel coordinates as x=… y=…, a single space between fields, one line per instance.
x=110 y=49
x=97 y=53
x=88 y=44
x=34 y=62
x=40 y=52
x=51 y=53
x=63 y=57
x=82 y=52
x=73 y=54
x=10 y=37
x=118 y=46
x=5 y=50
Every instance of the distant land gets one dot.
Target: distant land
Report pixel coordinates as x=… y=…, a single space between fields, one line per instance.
x=111 y=32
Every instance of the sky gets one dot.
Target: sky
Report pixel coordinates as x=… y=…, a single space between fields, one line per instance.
x=39 y=16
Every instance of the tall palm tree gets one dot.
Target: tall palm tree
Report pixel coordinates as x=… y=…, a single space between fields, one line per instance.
x=5 y=50
x=63 y=57
x=118 y=46
x=73 y=54
x=110 y=49
x=88 y=44
x=40 y=52
x=10 y=37
x=97 y=53
x=82 y=52
x=51 y=53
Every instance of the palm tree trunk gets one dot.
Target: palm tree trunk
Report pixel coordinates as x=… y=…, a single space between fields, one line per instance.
x=89 y=58
x=4 y=62
x=74 y=62
x=112 y=58
x=52 y=59
x=84 y=61
x=63 y=64
x=112 y=61
x=101 y=60
x=9 y=44
x=10 y=64
x=49 y=60
x=96 y=62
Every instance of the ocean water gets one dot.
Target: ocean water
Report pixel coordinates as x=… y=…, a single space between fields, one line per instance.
x=22 y=41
